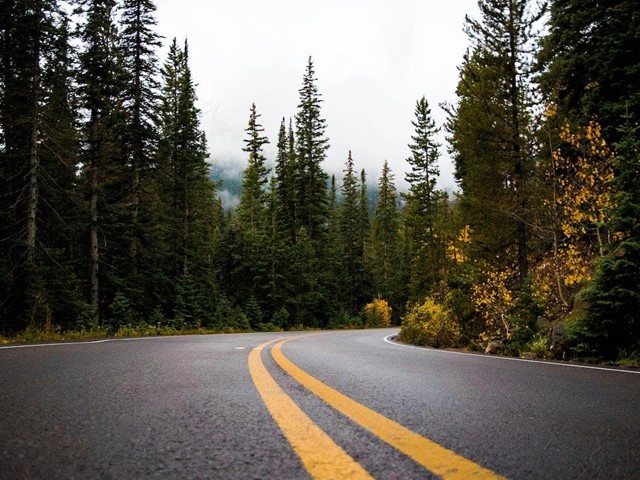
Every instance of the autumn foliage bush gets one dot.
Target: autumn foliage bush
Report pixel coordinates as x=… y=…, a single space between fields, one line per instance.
x=430 y=324
x=377 y=314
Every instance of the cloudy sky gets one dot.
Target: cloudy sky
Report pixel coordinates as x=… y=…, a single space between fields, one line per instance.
x=373 y=59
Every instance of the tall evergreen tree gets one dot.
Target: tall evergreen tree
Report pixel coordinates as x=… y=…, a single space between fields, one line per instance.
x=255 y=176
x=480 y=169
x=62 y=213
x=29 y=32
x=281 y=235
x=364 y=223
x=311 y=146
x=492 y=127
x=386 y=251
x=276 y=290
x=334 y=258
x=285 y=181
x=311 y=213
x=350 y=240
x=187 y=208
x=251 y=214
x=423 y=160
x=138 y=42
x=182 y=151
x=421 y=203
x=100 y=88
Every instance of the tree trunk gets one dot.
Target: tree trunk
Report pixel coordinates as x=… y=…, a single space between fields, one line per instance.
x=93 y=233
x=138 y=150
x=31 y=293
x=135 y=212
x=555 y=223
x=185 y=237
x=34 y=165
x=519 y=174
x=185 y=213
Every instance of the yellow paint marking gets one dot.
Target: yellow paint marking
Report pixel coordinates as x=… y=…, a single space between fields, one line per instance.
x=434 y=457
x=320 y=455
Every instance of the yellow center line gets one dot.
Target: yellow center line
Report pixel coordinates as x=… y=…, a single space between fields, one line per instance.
x=320 y=455
x=434 y=457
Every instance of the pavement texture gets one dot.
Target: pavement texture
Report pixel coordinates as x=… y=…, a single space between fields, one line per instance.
x=186 y=407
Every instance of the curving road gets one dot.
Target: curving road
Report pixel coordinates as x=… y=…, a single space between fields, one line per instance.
x=319 y=405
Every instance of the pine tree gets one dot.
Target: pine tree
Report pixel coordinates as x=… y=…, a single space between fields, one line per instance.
x=100 y=90
x=187 y=210
x=479 y=168
x=62 y=214
x=281 y=217
x=255 y=175
x=420 y=210
x=182 y=150
x=138 y=42
x=364 y=223
x=253 y=312
x=311 y=215
x=492 y=129
x=277 y=288
x=28 y=35
x=386 y=249
x=350 y=239
x=423 y=160
x=311 y=146
x=333 y=257
x=285 y=181
x=251 y=213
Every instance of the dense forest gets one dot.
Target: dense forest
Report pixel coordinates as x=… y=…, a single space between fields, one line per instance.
x=110 y=222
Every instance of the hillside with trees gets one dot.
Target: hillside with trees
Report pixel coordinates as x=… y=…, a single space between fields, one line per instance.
x=110 y=222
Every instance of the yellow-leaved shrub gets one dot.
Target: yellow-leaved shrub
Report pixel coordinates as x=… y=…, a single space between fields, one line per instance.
x=377 y=314
x=494 y=300
x=430 y=324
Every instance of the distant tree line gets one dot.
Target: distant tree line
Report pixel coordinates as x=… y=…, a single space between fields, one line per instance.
x=109 y=218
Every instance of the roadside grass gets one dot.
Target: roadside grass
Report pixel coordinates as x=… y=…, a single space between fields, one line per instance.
x=538 y=348
x=33 y=335
x=629 y=362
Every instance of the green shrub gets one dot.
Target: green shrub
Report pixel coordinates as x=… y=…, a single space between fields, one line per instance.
x=344 y=319
x=253 y=312
x=268 y=327
x=538 y=347
x=281 y=318
x=122 y=313
x=523 y=318
x=157 y=317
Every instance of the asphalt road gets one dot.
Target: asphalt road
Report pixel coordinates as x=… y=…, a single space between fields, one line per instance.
x=188 y=407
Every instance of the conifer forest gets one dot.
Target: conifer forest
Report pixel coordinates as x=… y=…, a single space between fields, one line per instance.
x=111 y=224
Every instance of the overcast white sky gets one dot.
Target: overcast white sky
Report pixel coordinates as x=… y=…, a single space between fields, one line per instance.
x=373 y=58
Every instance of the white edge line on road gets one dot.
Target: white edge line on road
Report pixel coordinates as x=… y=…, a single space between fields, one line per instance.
x=512 y=359
x=58 y=344
x=84 y=342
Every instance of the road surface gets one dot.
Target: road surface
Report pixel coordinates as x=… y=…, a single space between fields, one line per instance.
x=348 y=404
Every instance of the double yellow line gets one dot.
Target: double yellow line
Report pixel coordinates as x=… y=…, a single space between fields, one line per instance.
x=320 y=455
